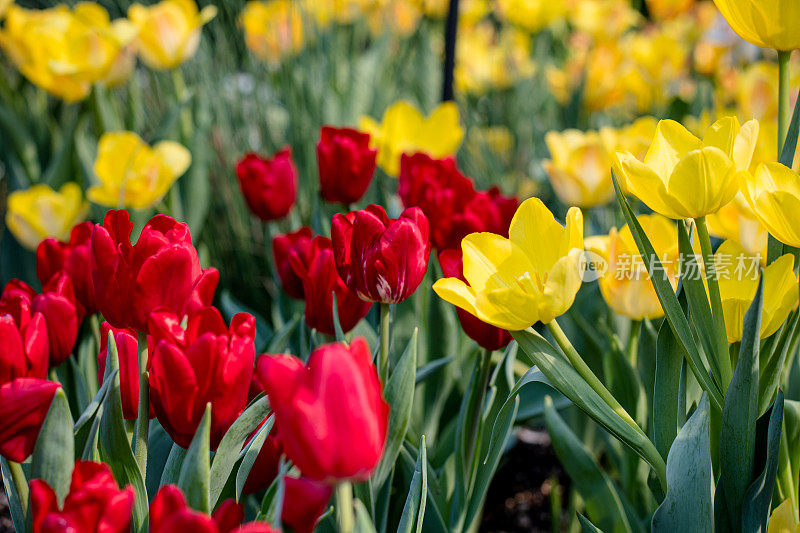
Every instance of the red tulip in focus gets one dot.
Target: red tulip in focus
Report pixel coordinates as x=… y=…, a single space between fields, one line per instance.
x=74 y=258
x=331 y=412
x=24 y=403
x=128 y=351
x=297 y=242
x=304 y=501
x=346 y=164
x=161 y=270
x=486 y=335
x=269 y=186
x=23 y=338
x=95 y=504
x=205 y=363
x=380 y=259
x=320 y=281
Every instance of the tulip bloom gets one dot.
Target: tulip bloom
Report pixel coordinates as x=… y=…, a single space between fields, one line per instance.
x=339 y=390
x=531 y=15
x=128 y=352
x=132 y=174
x=773 y=193
x=346 y=164
x=530 y=277
x=72 y=257
x=205 y=363
x=685 y=177
x=774 y=24
x=320 y=280
x=24 y=345
x=737 y=221
x=40 y=212
x=161 y=270
x=381 y=259
x=304 y=501
x=299 y=243
x=169 y=31
x=95 y=503
x=273 y=30
x=24 y=403
x=487 y=336
x=269 y=186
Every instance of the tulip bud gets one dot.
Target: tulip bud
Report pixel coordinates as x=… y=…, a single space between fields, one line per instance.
x=128 y=352
x=53 y=256
x=346 y=164
x=298 y=242
x=380 y=259
x=24 y=403
x=269 y=186
x=304 y=501
x=24 y=345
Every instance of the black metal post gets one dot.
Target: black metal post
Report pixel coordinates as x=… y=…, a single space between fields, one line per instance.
x=451 y=29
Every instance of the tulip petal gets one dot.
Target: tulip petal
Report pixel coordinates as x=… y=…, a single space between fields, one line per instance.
x=671 y=142
x=493 y=261
x=458 y=293
x=701 y=183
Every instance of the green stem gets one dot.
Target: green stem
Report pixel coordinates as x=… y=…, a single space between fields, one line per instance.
x=20 y=484
x=143 y=416
x=344 y=507
x=722 y=355
x=181 y=95
x=383 y=363
x=476 y=413
x=785 y=482
x=783 y=98
x=633 y=342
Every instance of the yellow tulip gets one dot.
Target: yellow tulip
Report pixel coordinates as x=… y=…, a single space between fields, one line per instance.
x=4 y=4
x=400 y=17
x=736 y=221
x=169 y=31
x=782 y=519
x=765 y=23
x=488 y=59
x=737 y=274
x=405 y=130
x=685 y=177
x=773 y=193
x=637 y=136
x=530 y=277
x=132 y=174
x=40 y=212
x=531 y=15
x=604 y=19
x=657 y=64
x=667 y=9
x=272 y=30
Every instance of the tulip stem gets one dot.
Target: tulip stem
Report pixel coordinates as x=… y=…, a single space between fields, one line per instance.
x=723 y=358
x=142 y=422
x=20 y=484
x=383 y=363
x=783 y=98
x=344 y=507
x=476 y=413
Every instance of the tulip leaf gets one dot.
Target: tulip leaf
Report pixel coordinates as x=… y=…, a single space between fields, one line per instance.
x=363 y=521
x=429 y=369
x=281 y=338
x=790 y=144
x=90 y=451
x=770 y=372
x=251 y=454
x=603 y=500
x=414 y=508
x=739 y=415
x=587 y=526
x=196 y=184
x=83 y=432
x=173 y=466
x=666 y=390
x=337 y=326
x=231 y=444
x=54 y=453
x=194 y=479
x=688 y=505
x=14 y=505
x=272 y=503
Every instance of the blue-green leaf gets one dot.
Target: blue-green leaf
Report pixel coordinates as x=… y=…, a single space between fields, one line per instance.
x=414 y=508
x=194 y=479
x=54 y=453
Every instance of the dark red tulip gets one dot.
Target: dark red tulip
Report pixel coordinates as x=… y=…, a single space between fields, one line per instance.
x=24 y=403
x=331 y=412
x=320 y=282
x=95 y=504
x=266 y=466
x=128 y=351
x=486 y=335
x=72 y=257
x=269 y=186
x=205 y=363
x=297 y=242
x=381 y=259
x=304 y=501
x=169 y=513
x=162 y=270
x=346 y=164
x=486 y=211
x=24 y=346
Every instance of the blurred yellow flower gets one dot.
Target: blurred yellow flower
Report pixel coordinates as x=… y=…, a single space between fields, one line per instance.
x=603 y=19
x=530 y=277
x=667 y=9
x=405 y=130
x=737 y=274
x=782 y=519
x=657 y=64
x=169 y=31
x=531 y=15
x=400 y=17
x=272 y=30
x=497 y=140
x=765 y=23
x=132 y=174
x=637 y=137
x=736 y=221
x=685 y=177
x=488 y=59
x=4 y=4
x=773 y=193
x=40 y=212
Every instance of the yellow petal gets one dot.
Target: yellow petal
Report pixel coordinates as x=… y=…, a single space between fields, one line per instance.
x=701 y=183
x=672 y=141
x=492 y=261
x=456 y=292
x=174 y=156
x=780 y=294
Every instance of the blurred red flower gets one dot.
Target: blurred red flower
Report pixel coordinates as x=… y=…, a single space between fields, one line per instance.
x=297 y=242
x=24 y=403
x=72 y=257
x=346 y=164
x=269 y=186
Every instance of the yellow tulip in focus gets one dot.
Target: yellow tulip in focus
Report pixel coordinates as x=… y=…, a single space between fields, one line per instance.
x=169 y=31
x=531 y=15
x=132 y=174
x=530 y=277
x=773 y=193
x=40 y=212
x=765 y=23
x=405 y=130
x=782 y=519
x=667 y=9
x=685 y=177
x=272 y=30
x=737 y=273
x=737 y=222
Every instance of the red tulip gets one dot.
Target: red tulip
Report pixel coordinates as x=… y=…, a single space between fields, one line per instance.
x=24 y=403
x=304 y=501
x=205 y=363
x=23 y=338
x=95 y=504
x=269 y=186
x=128 y=351
x=161 y=270
x=486 y=211
x=331 y=412
x=381 y=259
x=346 y=164
x=298 y=242
x=320 y=281
x=267 y=463
x=169 y=513
x=486 y=335
x=74 y=258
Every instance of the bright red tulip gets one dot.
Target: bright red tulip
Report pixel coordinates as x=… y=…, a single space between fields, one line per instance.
x=381 y=259
x=486 y=335
x=161 y=270
x=346 y=164
x=24 y=403
x=269 y=186
x=320 y=281
x=205 y=363
x=304 y=501
x=331 y=412
x=95 y=504
x=74 y=258
x=24 y=345
x=128 y=351
x=169 y=513
x=297 y=242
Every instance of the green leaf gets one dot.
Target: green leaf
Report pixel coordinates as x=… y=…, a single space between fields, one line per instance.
x=54 y=453
x=14 y=506
x=688 y=505
x=90 y=451
x=414 y=508
x=363 y=522
x=194 y=479
x=251 y=454
x=666 y=392
x=770 y=371
x=173 y=466
x=337 y=326
x=272 y=503
x=280 y=340
x=429 y=369
x=85 y=433
x=790 y=144
x=587 y=526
